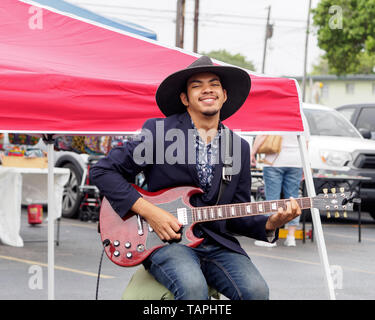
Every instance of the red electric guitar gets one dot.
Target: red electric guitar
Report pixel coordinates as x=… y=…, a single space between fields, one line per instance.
x=132 y=239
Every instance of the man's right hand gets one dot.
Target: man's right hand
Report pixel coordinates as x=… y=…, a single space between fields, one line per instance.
x=162 y=222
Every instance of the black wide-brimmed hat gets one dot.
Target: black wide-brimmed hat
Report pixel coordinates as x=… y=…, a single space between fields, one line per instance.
x=234 y=80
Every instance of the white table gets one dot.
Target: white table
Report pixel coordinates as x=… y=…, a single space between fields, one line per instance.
x=26 y=186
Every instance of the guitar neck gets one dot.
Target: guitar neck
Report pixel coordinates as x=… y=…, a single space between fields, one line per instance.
x=237 y=210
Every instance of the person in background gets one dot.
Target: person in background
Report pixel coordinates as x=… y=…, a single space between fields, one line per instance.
x=282 y=174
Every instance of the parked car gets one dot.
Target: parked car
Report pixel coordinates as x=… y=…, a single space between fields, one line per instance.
x=75 y=162
x=362 y=116
x=72 y=196
x=337 y=146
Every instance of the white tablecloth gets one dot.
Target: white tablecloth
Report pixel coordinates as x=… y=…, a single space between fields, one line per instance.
x=26 y=186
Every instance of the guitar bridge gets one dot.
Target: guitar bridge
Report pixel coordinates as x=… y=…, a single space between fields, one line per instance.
x=140 y=225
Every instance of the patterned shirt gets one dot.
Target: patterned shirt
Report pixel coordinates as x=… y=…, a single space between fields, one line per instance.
x=207 y=155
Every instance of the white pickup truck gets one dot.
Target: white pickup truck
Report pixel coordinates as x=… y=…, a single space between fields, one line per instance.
x=337 y=146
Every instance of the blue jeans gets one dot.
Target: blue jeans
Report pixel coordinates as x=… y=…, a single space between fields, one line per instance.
x=187 y=272
x=285 y=179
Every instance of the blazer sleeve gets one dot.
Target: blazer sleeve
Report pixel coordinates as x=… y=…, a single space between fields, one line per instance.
x=114 y=173
x=254 y=226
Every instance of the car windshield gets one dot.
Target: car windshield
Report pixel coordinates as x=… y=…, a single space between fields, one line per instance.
x=328 y=123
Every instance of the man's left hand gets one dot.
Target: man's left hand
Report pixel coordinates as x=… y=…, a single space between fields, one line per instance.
x=282 y=216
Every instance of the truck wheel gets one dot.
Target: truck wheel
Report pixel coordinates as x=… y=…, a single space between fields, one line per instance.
x=71 y=196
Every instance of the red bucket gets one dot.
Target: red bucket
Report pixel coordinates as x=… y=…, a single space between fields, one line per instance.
x=35 y=213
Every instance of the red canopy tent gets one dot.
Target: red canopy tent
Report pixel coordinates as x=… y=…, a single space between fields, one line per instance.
x=62 y=75
x=76 y=77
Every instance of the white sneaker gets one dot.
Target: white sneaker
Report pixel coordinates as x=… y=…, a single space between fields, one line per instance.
x=290 y=241
x=265 y=244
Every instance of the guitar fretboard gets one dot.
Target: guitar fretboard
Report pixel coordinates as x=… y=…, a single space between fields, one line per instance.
x=237 y=210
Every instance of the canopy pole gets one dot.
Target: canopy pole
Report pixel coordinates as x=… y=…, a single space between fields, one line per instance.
x=318 y=231
x=48 y=139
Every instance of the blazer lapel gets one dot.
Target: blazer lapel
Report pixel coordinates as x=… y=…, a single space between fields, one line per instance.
x=190 y=158
x=216 y=180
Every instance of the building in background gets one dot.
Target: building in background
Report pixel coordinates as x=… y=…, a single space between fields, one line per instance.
x=334 y=91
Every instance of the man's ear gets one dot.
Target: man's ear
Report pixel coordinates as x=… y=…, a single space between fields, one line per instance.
x=184 y=99
x=225 y=95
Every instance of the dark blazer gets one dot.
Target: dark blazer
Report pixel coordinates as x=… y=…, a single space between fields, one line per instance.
x=113 y=174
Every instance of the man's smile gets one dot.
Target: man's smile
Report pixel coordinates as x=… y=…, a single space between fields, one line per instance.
x=209 y=100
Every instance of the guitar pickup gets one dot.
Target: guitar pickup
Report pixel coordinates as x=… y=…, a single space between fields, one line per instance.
x=182 y=216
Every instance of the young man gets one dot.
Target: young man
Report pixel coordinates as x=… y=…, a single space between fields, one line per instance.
x=194 y=100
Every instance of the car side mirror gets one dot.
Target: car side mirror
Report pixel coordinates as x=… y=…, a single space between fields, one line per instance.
x=365 y=133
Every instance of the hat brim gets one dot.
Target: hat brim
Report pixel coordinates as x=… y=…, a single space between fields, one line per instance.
x=234 y=80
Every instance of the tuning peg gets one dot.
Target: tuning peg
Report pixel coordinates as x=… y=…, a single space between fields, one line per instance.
x=345 y=214
x=337 y=214
x=333 y=190
x=328 y=214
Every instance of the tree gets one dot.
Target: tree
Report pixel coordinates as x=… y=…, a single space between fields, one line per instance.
x=321 y=68
x=365 y=66
x=237 y=59
x=346 y=32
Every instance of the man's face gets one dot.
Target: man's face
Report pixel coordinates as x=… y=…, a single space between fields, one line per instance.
x=205 y=95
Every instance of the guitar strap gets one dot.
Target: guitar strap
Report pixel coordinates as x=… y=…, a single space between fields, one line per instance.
x=226 y=176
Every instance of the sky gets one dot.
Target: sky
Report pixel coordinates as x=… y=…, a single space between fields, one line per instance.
x=237 y=26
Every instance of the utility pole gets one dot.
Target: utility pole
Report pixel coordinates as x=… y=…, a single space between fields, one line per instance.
x=306 y=46
x=269 y=32
x=180 y=23
x=196 y=22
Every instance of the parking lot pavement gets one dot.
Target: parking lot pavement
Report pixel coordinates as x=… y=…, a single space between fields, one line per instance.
x=292 y=273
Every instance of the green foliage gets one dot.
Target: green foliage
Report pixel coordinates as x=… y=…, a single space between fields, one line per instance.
x=237 y=59
x=346 y=34
x=365 y=65
x=321 y=68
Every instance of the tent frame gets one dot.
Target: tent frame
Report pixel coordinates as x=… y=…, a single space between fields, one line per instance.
x=49 y=138
x=318 y=230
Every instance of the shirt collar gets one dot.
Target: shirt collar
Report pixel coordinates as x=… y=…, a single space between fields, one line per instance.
x=214 y=140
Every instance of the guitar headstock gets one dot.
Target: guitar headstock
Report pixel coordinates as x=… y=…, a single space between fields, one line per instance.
x=334 y=202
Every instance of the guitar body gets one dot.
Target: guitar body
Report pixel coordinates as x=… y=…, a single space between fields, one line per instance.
x=131 y=238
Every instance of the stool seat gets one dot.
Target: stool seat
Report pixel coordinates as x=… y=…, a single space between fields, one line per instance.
x=143 y=286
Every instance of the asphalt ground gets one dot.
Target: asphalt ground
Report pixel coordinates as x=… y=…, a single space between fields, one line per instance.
x=292 y=273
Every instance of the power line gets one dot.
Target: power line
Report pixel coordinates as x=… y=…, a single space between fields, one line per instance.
x=204 y=22
x=167 y=19
x=202 y=14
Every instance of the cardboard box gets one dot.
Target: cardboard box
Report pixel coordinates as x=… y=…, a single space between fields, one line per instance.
x=22 y=162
